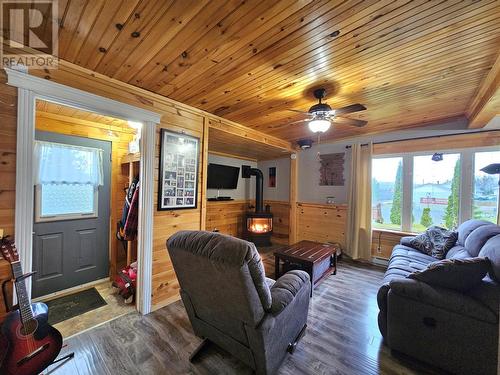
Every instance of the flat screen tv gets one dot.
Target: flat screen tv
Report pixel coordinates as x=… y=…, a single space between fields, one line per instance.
x=222 y=176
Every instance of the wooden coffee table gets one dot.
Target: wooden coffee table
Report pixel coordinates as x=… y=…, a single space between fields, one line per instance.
x=317 y=259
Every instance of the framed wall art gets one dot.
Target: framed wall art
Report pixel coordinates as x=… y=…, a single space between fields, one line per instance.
x=272 y=177
x=178 y=177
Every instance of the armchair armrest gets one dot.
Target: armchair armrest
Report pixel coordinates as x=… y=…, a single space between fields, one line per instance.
x=446 y=299
x=286 y=288
x=406 y=241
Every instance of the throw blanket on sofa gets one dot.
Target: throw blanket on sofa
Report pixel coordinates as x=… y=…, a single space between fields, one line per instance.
x=435 y=241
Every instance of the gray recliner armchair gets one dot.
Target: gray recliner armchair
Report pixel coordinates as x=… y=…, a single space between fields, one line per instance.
x=231 y=303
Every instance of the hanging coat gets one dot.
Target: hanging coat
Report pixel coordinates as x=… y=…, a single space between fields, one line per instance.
x=130 y=228
x=120 y=234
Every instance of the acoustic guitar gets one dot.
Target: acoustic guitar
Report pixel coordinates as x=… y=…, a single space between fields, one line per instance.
x=32 y=343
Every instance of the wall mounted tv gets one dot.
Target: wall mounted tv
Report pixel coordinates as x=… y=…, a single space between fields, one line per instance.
x=222 y=176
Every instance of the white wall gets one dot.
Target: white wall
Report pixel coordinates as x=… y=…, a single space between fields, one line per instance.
x=309 y=189
x=246 y=186
x=282 y=190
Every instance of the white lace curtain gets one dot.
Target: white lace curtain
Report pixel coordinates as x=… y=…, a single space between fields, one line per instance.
x=57 y=163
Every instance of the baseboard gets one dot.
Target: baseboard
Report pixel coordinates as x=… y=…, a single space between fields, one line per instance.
x=380 y=261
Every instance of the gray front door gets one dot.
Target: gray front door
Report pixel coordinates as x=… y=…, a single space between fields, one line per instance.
x=71 y=248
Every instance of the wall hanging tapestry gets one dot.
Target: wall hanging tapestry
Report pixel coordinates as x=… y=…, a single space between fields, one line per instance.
x=331 y=169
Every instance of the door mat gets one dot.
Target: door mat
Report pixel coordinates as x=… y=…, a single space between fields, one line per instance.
x=67 y=307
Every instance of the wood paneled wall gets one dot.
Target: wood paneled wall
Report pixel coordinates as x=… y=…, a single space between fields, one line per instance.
x=228 y=218
x=321 y=222
x=166 y=223
x=383 y=241
x=175 y=116
x=119 y=138
x=281 y=221
x=8 y=116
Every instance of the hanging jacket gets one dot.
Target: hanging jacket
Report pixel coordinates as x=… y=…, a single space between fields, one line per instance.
x=120 y=233
x=130 y=227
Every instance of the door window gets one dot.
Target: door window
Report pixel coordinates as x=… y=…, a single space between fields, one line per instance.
x=59 y=202
x=67 y=179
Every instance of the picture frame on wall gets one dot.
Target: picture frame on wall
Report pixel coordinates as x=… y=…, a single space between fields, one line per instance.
x=272 y=177
x=178 y=171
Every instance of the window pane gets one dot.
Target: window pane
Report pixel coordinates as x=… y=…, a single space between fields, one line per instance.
x=387 y=192
x=485 y=188
x=436 y=192
x=64 y=199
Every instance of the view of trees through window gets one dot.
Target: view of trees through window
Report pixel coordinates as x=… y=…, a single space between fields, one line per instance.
x=436 y=192
x=387 y=191
x=485 y=187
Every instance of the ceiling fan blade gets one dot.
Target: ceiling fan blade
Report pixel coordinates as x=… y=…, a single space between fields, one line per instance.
x=297 y=111
x=349 y=121
x=350 y=109
x=296 y=122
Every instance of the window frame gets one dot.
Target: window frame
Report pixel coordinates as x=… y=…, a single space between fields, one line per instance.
x=62 y=217
x=466 y=182
x=403 y=194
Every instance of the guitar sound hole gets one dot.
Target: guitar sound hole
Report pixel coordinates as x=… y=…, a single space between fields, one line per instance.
x=29 y=327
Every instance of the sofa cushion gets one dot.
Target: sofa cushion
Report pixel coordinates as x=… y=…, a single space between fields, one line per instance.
x=488 y=293
x=404 y=260
x=435 y=241
x=406 y=240
x=492 y=250
x=456 y=274
x=467 y=227
x=457 y=252
x=411 y=254
x=478 y=237
x=444 y=298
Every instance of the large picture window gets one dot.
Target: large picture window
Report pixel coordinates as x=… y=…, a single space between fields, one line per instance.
x=485 y=187
x=413 y=191
x=387 y=187
x=435 y=193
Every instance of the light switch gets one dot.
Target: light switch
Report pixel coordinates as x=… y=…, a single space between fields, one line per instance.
x=1 y=233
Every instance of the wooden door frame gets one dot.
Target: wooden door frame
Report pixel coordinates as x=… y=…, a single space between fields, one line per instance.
x=30 y=89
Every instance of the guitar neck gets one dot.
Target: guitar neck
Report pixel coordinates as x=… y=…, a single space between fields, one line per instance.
x=21 y=293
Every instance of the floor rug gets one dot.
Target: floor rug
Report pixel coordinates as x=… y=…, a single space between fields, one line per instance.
x=75 y=304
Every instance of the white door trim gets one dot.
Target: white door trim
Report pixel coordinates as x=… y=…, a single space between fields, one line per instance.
x=30 y=89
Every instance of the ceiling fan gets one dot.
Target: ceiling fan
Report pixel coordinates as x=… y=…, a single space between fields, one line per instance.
x=321 y=115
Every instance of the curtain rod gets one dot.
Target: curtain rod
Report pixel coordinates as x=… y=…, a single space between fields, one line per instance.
x=431 y=136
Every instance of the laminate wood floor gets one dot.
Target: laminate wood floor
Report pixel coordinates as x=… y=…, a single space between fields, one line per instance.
x=115 y=307
x=342 y=337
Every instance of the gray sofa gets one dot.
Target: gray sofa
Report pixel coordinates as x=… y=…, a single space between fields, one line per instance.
x=455 y=331
x=231 y=303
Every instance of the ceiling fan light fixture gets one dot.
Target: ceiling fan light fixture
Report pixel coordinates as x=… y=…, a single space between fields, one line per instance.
x=319 y=126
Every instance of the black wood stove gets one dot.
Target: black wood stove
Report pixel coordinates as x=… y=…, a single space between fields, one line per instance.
x=258 y=224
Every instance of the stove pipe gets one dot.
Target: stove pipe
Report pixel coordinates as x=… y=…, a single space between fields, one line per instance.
x=247 y=172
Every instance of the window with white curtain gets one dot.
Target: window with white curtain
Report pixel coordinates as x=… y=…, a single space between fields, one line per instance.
x=410 y=191
x=67 y=179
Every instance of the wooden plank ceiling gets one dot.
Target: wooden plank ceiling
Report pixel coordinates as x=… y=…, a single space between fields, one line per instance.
x=408 y=62
x=61 y=112
x=235 y=145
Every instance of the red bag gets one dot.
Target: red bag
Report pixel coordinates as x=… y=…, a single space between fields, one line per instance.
x=125 y=282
